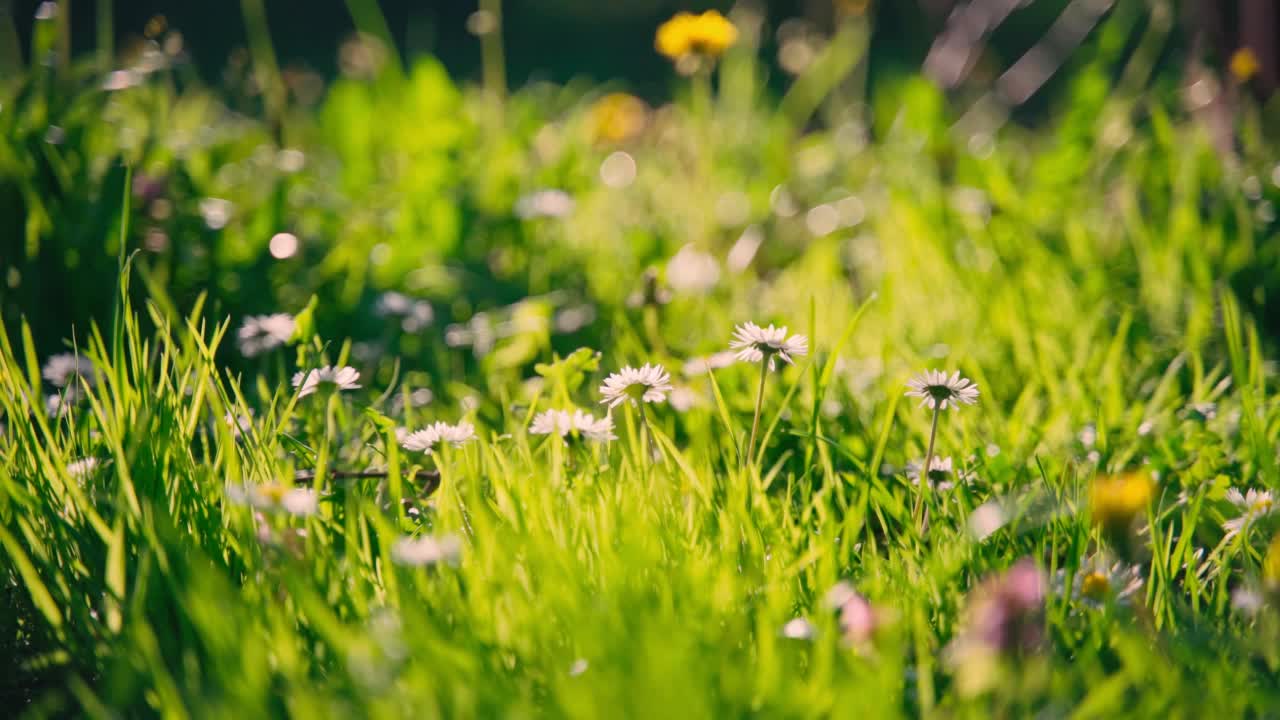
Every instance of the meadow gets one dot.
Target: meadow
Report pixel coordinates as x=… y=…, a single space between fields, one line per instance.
x=400 y=396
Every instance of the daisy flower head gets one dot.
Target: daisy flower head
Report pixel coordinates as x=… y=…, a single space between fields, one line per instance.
x=421 y=441
x=1102 y=579
x=551 y=422
x=755 y=344
x=562 y=423
x=702 y=365
x=83 y=467
x=458 y=434
x=648 y=383
x=326 y=378
x=1253 y=505
x=427 y=550
x=62 y=369
x=938 y=391
x=300 y=502
x=940 y=468
x=262 y=333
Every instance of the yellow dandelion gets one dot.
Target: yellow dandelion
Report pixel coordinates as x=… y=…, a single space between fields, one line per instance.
x=1271 y=566
x=708 y=35
x=1244 y=64
x=1115 y=500
x=672 y=39
x=618 y=117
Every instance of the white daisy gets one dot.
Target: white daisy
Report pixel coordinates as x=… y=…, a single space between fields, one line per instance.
x=754 y=344
x=300 y=501
x=414 y=314
x=936 y=390
x=940 y=468
x=426 y=550
x=1101 y=579
x=551 y=422
x=82 y=467
x=62 y=369
x=649 y=383
x=419 y=440
x=1247 y=601
x=457 y=435
x=700 y=366
x=1253 y=504
x=261 y=333
x=692 y=271
x=562 y=422
x=238 y=423
x=544 y=204
x=338 y=378
x=799 y=629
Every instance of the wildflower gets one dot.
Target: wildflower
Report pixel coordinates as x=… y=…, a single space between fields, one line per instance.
x=702 y=365
x=562 y=423
x=708 y=35
x=859 y=619
x=938 y=391
x=420 y=440
x=799 y=629
x=649 y=383
x=1247 y=601
x=1003 y=618
x=274 y=496
x=544 y=204
x=683 y=399
x=82 y=468
x=62 y=369
x=1203 y=411
x=262 y=333
x=1271 y=566
x=1102 y=579
x=427 y=550
x=426 y=439
x=1253 y=504
x=986 y=519
x=300 y=501
x=692 y=271
x=414 y=314
x=755 y=344
x=940 y=468
x=578 y=667
x=1244 y=64
x=618 y=117
x=327 y=377
x=238 y=423
x=458 y=434
x=1115 y=500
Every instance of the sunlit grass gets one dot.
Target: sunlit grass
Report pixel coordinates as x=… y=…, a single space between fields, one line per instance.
x=390 y=501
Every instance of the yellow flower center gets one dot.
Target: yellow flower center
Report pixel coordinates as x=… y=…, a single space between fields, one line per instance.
x=1095 y=586
x=1244 y=64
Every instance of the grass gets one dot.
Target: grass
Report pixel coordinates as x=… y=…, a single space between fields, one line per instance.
x=1100 y=293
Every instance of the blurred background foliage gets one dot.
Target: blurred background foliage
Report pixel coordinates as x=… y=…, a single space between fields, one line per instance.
x=490 y=174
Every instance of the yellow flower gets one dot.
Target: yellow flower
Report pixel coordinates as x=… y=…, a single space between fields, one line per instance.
x=1244 y=64
x=1271 y=565
x=618 y=117
x=1115 y=500
x=708 y=34
x=1095 y=586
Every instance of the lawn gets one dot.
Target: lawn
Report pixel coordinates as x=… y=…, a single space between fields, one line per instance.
x=405 y=396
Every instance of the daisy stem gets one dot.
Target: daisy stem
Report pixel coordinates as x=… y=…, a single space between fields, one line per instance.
x=755 y=424
x=928 y=463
